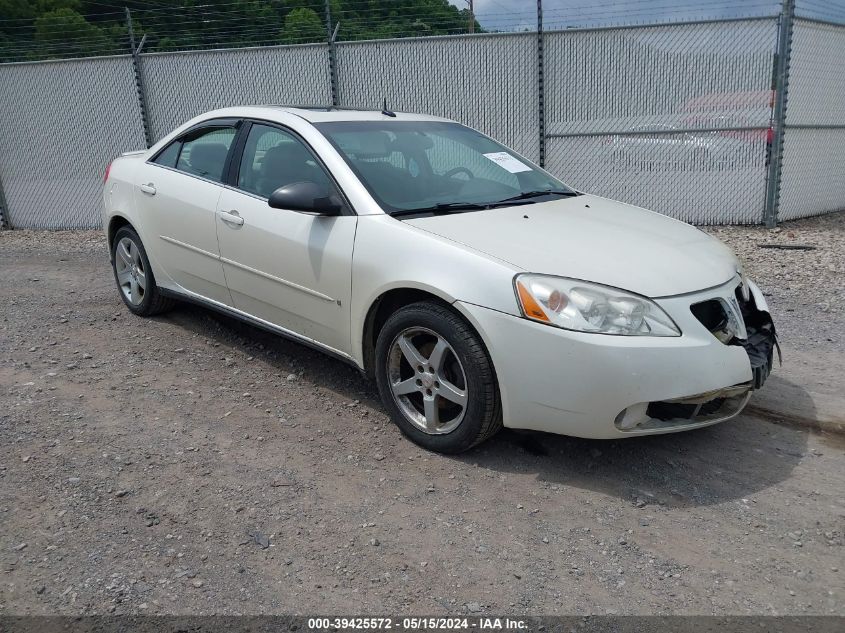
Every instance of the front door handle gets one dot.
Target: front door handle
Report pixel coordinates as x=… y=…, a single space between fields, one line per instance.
x=231 y=217
x=148 y=188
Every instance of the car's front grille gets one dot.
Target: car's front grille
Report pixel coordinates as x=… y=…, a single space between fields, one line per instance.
x=703 y=408
x=707 y=408
x=683 y=411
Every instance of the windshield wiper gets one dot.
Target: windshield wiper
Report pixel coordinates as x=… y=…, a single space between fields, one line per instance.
x=448 y=207
x=442 y=207
x=525 y=195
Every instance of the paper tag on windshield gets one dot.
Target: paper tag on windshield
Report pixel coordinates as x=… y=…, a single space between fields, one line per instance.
x=506 y=161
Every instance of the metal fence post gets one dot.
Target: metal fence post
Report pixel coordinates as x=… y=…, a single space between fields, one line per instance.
x=784 y=51
x=139 y=78
x=541 y=87
x=4 y=210
x=332 y=36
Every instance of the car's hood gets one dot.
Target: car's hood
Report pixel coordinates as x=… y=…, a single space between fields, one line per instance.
x=594 y=239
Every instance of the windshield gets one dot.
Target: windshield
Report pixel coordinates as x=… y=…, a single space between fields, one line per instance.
x=429 y=166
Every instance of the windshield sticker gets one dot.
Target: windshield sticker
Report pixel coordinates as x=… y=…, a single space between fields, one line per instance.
x=506 y=161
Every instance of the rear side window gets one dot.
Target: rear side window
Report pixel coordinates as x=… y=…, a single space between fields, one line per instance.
x=168 y=157
x=201 y=152
x=204 y=152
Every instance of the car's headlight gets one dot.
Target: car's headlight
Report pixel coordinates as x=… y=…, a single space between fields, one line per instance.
x=586 y=307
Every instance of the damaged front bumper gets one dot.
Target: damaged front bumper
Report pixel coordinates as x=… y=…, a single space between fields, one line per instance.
x=761 y=340
x=711 y=407
x=588 y=385
x=740 y=318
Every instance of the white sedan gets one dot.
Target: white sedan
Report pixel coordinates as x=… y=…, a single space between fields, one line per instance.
x=478 y=290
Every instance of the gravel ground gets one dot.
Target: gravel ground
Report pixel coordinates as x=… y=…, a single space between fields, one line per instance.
x=190 y=464
x=805 y=288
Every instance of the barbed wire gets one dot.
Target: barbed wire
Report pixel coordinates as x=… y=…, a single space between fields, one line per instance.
x=188 y=26
x=357 y=7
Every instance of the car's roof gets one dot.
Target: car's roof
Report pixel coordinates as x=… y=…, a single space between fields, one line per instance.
x=321 y=114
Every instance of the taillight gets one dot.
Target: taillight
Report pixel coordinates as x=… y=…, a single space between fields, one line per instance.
x=106 y=175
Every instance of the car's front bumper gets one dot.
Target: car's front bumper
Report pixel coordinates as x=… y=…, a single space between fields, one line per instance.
x=603 y=386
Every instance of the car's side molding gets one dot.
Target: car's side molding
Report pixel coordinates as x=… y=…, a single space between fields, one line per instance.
x=189 y=247
x=279 y=280
x=259 y=323
x=254 y=271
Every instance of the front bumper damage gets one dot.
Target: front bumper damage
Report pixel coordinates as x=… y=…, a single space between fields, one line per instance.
x=742 y=320
x=761 y=339
x=710 y=407
x=594 y=386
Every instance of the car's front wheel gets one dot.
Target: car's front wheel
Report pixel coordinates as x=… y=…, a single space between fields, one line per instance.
x=133 y=275
x=436 y=379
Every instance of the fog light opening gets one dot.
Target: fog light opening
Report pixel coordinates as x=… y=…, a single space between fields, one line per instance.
x=631 y=417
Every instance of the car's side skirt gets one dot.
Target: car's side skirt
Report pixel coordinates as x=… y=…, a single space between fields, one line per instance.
x=259 y=323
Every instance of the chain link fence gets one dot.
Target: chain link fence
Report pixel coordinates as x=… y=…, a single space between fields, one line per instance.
x=813 y=178
x=489 y=82
x=180 y=86
x=60 y=125
x=674 y=117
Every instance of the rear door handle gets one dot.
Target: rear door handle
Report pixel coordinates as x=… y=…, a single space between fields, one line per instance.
x=231 y=217
x=148 y=188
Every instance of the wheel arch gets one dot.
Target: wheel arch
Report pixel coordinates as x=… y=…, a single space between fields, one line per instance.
x=116 y=222
x=388 y=302
x=392 y=299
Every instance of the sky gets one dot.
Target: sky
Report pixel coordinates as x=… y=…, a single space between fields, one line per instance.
x=510 y=15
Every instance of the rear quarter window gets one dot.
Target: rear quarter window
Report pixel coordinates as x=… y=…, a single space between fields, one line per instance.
x=168 y=156
x=204 y=153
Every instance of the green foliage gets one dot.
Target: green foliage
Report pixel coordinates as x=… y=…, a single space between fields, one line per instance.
x=39 y=29
x=303 y=25
x=52 y=27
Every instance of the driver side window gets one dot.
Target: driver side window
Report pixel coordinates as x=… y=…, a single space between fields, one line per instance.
x=273 y=158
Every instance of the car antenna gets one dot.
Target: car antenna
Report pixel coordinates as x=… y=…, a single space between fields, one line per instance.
x=385 y=111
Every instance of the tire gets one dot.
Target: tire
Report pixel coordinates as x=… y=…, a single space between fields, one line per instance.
x=426 y=405
x=134 y=276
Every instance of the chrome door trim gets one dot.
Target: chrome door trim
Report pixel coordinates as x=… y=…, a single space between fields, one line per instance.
x=190 y=247
x=250 y=269
x=278 y=280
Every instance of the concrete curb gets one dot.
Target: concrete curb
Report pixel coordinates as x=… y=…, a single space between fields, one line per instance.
x=781 y=417
x=804 y=392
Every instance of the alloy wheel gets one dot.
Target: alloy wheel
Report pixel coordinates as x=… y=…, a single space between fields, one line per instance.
x=427 y=380
x=129 y=266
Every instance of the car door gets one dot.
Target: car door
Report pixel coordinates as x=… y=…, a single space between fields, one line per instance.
x=177 y=194
x=291 y=269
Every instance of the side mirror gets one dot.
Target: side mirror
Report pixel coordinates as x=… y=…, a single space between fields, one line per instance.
x=305 y=196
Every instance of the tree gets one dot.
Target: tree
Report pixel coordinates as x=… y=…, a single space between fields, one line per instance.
x=33 y=29
x=303 y=25
x=65 y=32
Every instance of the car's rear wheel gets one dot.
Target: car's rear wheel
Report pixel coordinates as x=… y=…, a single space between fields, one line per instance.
x=134 y=276
x=436 y=379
